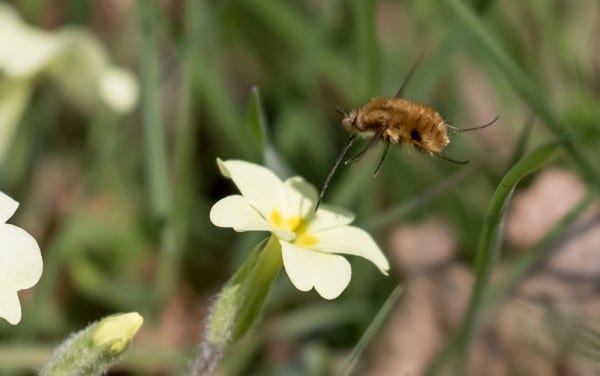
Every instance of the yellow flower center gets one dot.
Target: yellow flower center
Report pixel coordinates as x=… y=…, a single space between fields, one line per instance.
x=296 y=224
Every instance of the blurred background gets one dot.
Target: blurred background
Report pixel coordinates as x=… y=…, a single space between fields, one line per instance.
x=113 y=112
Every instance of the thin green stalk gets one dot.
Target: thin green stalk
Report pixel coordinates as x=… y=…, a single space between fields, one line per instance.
x=186 y=139
x=372 y=329
x=489 y=241
x=488 y=251
x=155 y=147
x=523 y=140
x=239 y=304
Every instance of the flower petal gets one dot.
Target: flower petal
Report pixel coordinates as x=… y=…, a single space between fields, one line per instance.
x=328 y=274
x=10 y=308
x=118 y=88
x=328 y=216
x=24 y=50
x=351 y=240
x=300 y=197
x=8 y=206
x=260 y=187
x=234 y=211
x=20 y=268
x=20 y=259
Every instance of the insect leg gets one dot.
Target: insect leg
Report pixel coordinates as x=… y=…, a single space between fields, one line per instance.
x=473 y=128
x=375 y=139
x=450 y=159
x=335 y=166
x=386 y=146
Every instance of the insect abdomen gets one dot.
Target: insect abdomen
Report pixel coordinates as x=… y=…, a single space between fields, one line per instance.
x=422 y=127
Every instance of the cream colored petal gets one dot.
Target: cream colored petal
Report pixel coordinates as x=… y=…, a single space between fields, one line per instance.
x=234 y=211
x=260 y=187
x=327 y=217
x=20 y=268
x=351 y=240
x=8 y=206
x=10 y=308
x=24 y=50
x=118 y=88
x=77 y=70
x=300 y=198
x=328 y=274
x=20 y=258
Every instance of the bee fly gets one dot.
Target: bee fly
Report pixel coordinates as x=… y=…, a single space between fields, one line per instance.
x=396 y=121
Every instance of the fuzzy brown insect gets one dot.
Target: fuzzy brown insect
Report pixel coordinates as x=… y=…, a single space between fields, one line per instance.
x=396 y=121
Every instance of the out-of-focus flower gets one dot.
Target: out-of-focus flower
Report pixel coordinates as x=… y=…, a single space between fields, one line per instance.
x=20 y=262
x=71 y=57
x=310 y=241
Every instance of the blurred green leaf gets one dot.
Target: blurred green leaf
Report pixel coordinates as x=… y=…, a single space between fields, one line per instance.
x=255 y=122
x=313 y=318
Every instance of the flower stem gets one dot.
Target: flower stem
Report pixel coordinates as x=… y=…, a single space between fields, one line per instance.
x=239 y=304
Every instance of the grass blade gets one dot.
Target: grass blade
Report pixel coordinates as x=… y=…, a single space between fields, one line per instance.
x=488 y=250
x=371 y=331
x=519 y=269
x=255 y=123
x=156 y=151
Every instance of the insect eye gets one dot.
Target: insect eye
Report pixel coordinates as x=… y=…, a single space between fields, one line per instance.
x=414 y=134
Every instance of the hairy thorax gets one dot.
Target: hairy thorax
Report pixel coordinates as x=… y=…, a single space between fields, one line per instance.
x=401 y=122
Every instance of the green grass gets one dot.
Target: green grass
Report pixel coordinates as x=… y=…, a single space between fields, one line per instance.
x=261 y=81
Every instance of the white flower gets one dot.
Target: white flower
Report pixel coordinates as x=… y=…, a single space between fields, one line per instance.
x=20 y=262
x=71 y=57
x=310 y=241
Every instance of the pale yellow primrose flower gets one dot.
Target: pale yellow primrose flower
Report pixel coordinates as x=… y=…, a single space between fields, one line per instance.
x=20 y=262
x=71 y=57
x=310 y=241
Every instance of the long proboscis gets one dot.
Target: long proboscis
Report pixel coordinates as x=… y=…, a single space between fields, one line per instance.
x=335 y=167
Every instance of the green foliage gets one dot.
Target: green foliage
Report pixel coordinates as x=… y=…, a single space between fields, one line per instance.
x=120 y=204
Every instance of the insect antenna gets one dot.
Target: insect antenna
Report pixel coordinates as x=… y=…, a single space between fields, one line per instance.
x=450 y=159
x=474 y=128
x=375 y=139
x=335 y=166
x=408 y=76
x=386 y=146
